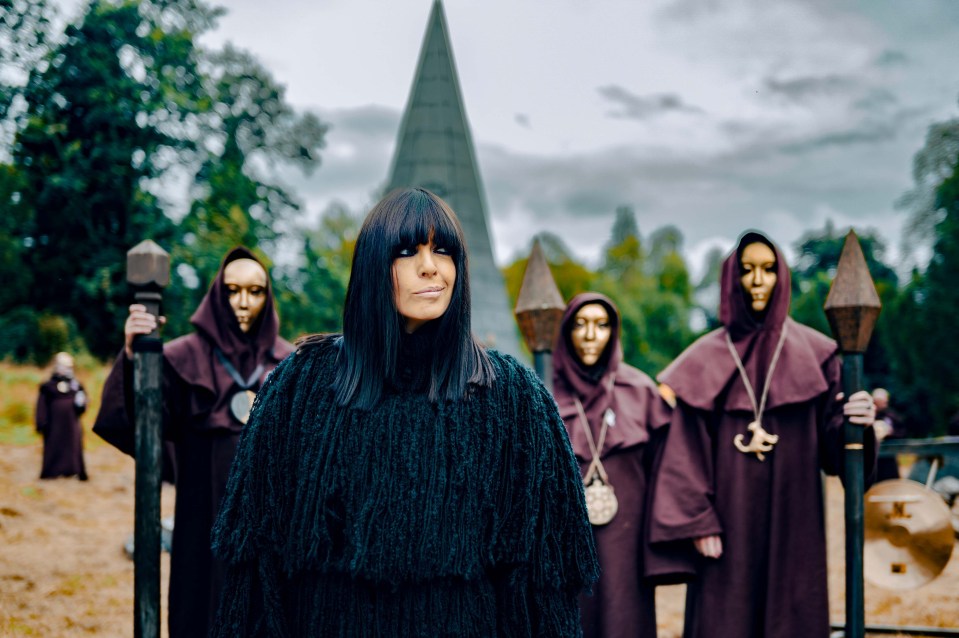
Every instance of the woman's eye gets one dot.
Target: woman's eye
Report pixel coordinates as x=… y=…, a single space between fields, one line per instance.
x=406 y=252
x=441 y=250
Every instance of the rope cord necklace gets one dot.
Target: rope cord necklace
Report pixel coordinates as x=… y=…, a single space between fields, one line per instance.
x=601 y=503
x=761 y=441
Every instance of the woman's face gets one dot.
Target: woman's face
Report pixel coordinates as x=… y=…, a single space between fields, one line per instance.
x=423 y=280
x=591 y=332
x=759 y=274
x=245 y=280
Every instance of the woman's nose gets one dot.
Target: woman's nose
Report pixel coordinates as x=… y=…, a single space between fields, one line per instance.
x=427 y=265
x=590 y=331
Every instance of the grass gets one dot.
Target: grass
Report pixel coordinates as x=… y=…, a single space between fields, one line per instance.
x=19 y=387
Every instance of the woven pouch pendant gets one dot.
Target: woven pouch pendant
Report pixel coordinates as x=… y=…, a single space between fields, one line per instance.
x=601 y=503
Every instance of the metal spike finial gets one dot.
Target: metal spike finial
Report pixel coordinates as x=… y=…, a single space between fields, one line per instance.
x=539 y=307
x=148 y=265
x=853 y=304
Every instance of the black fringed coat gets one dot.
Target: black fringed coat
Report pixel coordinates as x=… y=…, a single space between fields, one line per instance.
x=462 y=518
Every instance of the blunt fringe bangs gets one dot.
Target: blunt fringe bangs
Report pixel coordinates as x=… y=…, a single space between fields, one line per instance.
x=372 y=326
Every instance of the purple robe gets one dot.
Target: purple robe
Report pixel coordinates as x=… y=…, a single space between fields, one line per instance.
x=771 y=578
x=621 y=603
x=58 y=421
x=197 y=390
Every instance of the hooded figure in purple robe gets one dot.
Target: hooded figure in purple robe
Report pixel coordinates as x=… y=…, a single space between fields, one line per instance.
x=609 y=390
x=744 y=489
x=59 y=406
x=209 y=378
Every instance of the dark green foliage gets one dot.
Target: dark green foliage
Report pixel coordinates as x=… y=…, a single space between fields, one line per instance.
x=812 y=275
x=125 y=96
x=311 y=295
x=30 y=337
x=653 y=292
x=248 y=125
x=25 y=29
x=935 y=302
x=115 y=94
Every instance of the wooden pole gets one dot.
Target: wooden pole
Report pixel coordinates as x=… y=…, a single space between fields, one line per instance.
x=148 y=271
x=852 y=308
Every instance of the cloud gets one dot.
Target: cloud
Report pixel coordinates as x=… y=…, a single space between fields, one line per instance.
x=638 y=107
x=892 y=58
x=803 y=89
x=523 y=120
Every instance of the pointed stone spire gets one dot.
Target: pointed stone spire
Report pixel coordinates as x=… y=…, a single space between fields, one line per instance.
x=435 y=151
x=852 y=305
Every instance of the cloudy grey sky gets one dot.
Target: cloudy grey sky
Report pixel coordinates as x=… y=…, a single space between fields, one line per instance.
x=712 y=115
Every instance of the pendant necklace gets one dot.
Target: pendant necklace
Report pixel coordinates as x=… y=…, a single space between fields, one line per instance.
x=601 y=503
x=242 y=401
x=761 y=441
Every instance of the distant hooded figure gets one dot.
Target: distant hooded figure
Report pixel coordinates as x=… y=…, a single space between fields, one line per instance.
x=738 y=495
x=614 y=415
x=399 y=479
x=59 y=406
x=209 y=379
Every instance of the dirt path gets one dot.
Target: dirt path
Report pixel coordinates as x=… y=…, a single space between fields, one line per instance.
x=63 y=572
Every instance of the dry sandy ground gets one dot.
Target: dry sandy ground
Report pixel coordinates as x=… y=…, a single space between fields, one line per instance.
x=63 y=572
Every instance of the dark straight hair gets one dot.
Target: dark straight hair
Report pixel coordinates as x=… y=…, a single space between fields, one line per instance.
x=372 y=325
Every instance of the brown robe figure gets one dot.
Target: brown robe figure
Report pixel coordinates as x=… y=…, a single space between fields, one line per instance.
x=204 y=373
x=621 y=604
x=769 y=580
x=59 y=406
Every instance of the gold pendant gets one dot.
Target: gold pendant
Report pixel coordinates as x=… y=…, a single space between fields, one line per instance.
x=601 y=503
x=761 y=441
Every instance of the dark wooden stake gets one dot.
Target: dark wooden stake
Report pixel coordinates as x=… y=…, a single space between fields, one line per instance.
x=539 y=311
x=852 y=308
x=148 y=272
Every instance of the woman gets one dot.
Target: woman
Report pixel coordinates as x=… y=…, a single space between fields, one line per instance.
x=59 y=406
x=612 y=412
x=209 y=376
x=758 y=417
x=398 y=479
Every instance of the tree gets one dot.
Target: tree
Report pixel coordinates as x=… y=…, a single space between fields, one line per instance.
x=247 y=128
x=311 y=295
x=25 y=38
x=104 y=117
x=936 y=300
x=652 y=291
x=931 y=166
x=818 y=257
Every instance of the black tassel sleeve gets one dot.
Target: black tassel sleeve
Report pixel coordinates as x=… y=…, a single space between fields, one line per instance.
x=247 y=533
x=544 y=549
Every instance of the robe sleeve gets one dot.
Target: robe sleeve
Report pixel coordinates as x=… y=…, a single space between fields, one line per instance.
x=544 y=553
x=43 y=412
x=115 y=421
x=247 y=532
x=681 y=503
x=831 y=429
